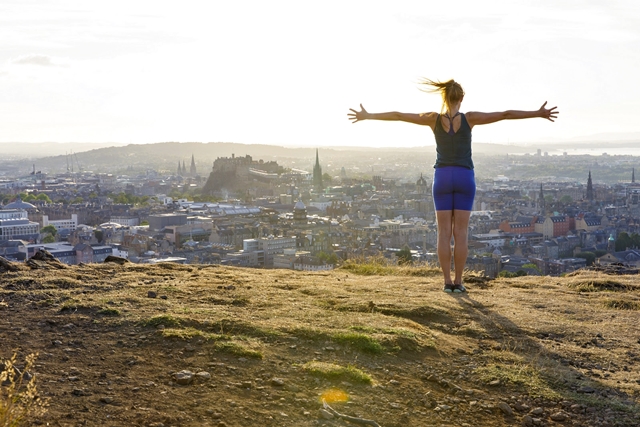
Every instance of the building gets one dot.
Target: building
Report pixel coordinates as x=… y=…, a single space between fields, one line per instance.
x=161 y=221
x=15 y=225
x=287 y=259
x=61 y=224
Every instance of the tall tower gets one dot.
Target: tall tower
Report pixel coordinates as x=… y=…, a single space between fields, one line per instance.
x=590 y=195
x=317 y=174
x=179 y=169
x=541 y=201
x=421 y=185
x=192 y=171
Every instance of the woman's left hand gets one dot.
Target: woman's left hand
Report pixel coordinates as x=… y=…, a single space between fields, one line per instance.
x=548 y=113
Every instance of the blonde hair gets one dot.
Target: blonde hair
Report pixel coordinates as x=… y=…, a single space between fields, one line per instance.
x=450 y=90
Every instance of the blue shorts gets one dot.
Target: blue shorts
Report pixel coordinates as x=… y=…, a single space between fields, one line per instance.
x=454 y=187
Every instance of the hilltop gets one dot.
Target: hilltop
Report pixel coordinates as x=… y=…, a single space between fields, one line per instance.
x=265 y=346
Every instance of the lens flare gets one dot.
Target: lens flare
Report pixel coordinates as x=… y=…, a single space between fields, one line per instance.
x=334 y=395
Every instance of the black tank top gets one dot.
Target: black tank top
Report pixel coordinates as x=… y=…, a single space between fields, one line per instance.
x=453 y=149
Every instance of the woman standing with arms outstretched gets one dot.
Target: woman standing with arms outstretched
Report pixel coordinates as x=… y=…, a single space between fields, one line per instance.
x=454 y=185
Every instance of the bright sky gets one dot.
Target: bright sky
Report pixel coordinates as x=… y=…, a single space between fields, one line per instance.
x=286 y=72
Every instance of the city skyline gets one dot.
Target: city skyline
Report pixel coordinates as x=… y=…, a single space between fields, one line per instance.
x=286 y=73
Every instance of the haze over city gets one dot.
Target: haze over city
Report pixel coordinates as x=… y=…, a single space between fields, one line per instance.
x=287 y=72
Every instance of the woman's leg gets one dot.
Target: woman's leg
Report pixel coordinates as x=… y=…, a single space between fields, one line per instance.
x=460 y=245
x=444 y=220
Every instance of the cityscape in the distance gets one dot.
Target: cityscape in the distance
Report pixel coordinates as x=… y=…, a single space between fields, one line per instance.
x=311 y=209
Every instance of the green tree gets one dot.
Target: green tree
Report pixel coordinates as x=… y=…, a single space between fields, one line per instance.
x=43 y=197
x=589 y=256
x=329 y=258
x=49 y=229
x=623 y=241
x=532 y=266
x=404 y=256
x=566 y=199
x=48 y=239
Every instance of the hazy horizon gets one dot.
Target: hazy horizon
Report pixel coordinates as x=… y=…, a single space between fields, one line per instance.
x=286 y=73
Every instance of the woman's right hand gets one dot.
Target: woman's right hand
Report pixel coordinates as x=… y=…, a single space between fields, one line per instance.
x=356 y=116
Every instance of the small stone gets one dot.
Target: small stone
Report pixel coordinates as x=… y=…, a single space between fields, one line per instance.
x=80 y=392
x=278 y=382
x=163 y=297
x=527 y=421
x=521 y=407
x=245 y=384
x=537 y=411
x=183 y=377
x=106 y=399
x=586 y=389
x=203 y=376
x=504 y=407
x=394 y=382
x=494 y=383
x=152 y=294
x=326 y=414
x=559 y=416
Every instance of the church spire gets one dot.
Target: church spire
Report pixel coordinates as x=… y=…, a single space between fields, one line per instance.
x=317 y=174
x=590 y=195
x=192 y=171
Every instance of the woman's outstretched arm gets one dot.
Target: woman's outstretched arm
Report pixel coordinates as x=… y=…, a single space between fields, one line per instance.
x=477 y=118
x=425 y=119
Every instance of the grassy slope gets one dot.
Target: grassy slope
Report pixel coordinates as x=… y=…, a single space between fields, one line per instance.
x=276 y=341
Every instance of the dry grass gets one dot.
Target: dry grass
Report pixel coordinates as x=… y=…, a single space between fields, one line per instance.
x=19 y=399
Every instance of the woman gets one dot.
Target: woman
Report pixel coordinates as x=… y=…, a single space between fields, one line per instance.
x=454 y=184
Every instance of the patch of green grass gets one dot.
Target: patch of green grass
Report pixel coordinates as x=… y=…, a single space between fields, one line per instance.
x=165 y=319
x=109 y=312
x=332 y=371
x=237 y=349
x=519 y=374
x=359 y=341
x=598 y=285
x=365 y=329
x=381 y=266
x=622 y=304
x=183 y=334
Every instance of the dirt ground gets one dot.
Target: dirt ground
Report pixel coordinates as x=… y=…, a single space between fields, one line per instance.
x=265 y=347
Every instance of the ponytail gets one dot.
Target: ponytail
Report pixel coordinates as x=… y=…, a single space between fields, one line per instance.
x=450 y=90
